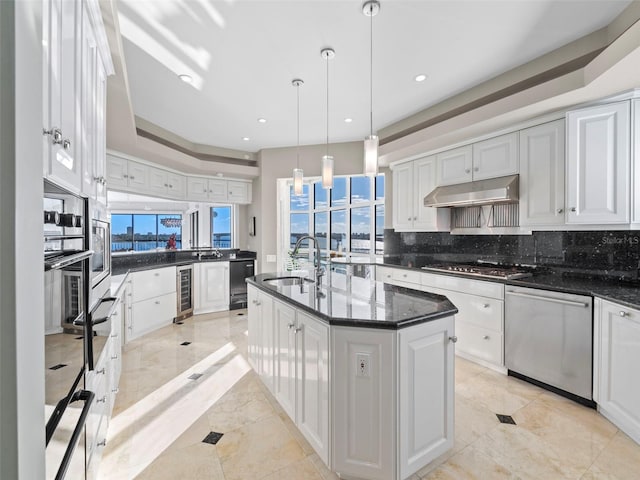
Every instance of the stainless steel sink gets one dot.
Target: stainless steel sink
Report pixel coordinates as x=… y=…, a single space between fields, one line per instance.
x=288 y=281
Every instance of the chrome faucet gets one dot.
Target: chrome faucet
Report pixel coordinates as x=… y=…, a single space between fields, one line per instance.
x=319 y=270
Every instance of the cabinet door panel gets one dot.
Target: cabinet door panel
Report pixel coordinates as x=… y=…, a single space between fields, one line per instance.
x=197 y=188
x=238 y=192
x=151 y=283
x=217 y=190
x=424 y=177
x=267 y=340
x=138 y=176
x=495 y=157
x=177 y=186
x=403 y=196
x=254 y=348
x=598 y=164
x=542 y=174
x=313 y=383
x=636 y=162
x=285 y=357
x=212 y=294
x=158 y=181
x=454 y=166
x=151 y=314
x=117 y=172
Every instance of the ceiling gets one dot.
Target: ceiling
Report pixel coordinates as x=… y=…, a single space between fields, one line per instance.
x=242 y=56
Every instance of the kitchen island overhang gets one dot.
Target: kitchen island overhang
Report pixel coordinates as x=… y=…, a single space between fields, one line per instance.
x=364 y=369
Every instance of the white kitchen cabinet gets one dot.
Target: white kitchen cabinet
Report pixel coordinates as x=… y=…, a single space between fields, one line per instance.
x=197 y=188
x=455 y=166
x=152 y=283
x=261 y=342
x=542 y=168
x=62 y=22
x=426 y=393
x=495 y=157
x=166 y=184
x=616 y=360
x=636 y=162
x=212 y=291
x=284 y=321
x=218 y=190
x=412 y=181
x=239 y=192
x=127 y=175
x=312 y=378
x=598 y=164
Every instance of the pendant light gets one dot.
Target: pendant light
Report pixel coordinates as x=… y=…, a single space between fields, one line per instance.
x=371 y=8
x=327 y=160
x=297 y=172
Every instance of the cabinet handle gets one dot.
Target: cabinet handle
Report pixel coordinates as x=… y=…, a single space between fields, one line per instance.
x=157 y=302
x=55 y=133
x=388 y=275
x=115 y=357
x=404 y=275
x=66 y=144
x=258 y=303
x=485 y=305
x=573 y=209
x=132 y=177
x=115 y=390
x=477 y=169
x=157 y=274
x=623 y=313
x=291 y=325
x=115 y=335
x=125 y=176
x=170 y=186
x=299 y=329
x=102 y=400
x=103 y=443
x=467 y=170
x=486 y=337
x=560 y=210
x=103 y=371
x=166 y=184
x=415 y=218
x=254 y=301
x=453 y=339
x=409 y=219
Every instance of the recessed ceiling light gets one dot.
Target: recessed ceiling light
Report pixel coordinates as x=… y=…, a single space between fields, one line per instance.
x=420 y=78
x=348 y=120
x=262 y=120
x=246 y=139
x=185 y=78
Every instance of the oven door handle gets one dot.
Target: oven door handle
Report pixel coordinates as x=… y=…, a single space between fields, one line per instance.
x=548 y=299
x=87 y=397
x=112 y=309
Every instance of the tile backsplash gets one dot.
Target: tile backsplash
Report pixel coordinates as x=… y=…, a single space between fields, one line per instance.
x=608 y=253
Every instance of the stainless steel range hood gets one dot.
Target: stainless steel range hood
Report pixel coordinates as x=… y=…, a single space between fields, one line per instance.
x=481 y=192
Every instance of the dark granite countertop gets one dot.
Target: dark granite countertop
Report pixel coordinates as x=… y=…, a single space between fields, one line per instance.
x=612 y=289
x=352 y=297
x=139 y=261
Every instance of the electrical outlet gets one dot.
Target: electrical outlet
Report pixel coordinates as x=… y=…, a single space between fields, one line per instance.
x=363 y=361
x=271 y=259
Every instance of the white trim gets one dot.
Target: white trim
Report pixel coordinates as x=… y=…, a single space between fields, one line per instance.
x=95 y=16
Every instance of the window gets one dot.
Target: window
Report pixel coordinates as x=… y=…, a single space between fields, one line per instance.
x=145 y=231
x=343 y=218
x=222 y=226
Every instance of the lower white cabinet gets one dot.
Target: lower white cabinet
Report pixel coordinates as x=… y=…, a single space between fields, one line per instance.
x=616 y=356
x=261 y=342
x=211 y=294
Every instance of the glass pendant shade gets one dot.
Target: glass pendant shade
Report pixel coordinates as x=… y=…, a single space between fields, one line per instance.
x=327 y=171
x=297 y=181
x=371 y=155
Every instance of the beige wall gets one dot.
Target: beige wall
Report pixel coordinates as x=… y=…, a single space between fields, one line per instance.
x=278 y=163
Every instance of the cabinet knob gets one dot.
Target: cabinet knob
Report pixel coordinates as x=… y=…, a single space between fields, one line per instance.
x=404 y=275
x=115 y=390
x=125 y=176
x=132 y=177
x=114 y=357
x=485 y=305
x=115 y=335
x=66 y=144
x=258 y=303
x=623 y=313
x=166 y=184
x=157 y=302
x=254 y=301
x=467 y=170
x=103 y=371
x=170 y=186
x=573 y=209
x=415 y=218
x=55 y=133
x=453 y=339
x=477 y=169
x=291 y=325
x=409 y=219
x=560 y=210
x=157 y=274
x=299 y=329
x=102 y=400
x=103 y=443
x=486 y=337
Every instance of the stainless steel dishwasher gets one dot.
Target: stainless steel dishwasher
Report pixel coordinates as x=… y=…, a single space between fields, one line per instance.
x=549 y=339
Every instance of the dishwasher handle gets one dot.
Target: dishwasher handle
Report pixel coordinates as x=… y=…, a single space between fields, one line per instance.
x=548 y=299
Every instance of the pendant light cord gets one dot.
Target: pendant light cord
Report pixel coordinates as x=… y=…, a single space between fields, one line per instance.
x=371 y=69
x=327 y=104
x=298 y=120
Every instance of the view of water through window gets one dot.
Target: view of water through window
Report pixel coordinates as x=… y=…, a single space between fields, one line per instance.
x=144 y=231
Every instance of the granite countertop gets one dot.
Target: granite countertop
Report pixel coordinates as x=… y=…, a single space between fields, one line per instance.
x=624 y=293
x=355 y=299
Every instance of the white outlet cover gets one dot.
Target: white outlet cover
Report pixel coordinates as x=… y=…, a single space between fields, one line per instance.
x=363 y=365
x=272 y=258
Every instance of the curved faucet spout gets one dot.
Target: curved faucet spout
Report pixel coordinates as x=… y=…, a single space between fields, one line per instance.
x=319 y=270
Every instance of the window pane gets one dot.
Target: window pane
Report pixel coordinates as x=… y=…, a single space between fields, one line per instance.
x=360 y=189
x=338 y=230
x=144 y=232
x=299 y=227
x=380 y=229
x=321 y=228
x=319 y=196
x=361 y=230
x=380 y=187
x=339 y=192
x=169 y=225
x=221 y=227
x=299 y=202
x=121 y=232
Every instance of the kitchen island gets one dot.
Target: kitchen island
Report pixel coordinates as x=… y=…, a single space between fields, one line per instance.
x=363 y=368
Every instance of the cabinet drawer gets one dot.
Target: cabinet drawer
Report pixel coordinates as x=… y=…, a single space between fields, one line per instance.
x=152 y=283
x=384 y=274
x=482 y=312
x=482 y=343
x=405 y=276
x=459 y=284
x=152 y=314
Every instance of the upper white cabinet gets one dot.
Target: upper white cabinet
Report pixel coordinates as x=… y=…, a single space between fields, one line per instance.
x=636 y=162
x=127 y=175
x=62 y=27
x=412 y=181
x=218 y=190
x=238 y=192
x=167 y=184
x=495 y=157
x=455 y=166
x=542 y=166
x=616 y=358
x=598 y=163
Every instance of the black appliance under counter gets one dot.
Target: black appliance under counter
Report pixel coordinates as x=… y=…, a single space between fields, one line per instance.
x=357 y=300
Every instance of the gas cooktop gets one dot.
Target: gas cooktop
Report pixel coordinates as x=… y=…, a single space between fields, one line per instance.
x=488 y=271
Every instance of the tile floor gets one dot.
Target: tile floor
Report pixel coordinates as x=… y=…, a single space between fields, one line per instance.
x=161 y=417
